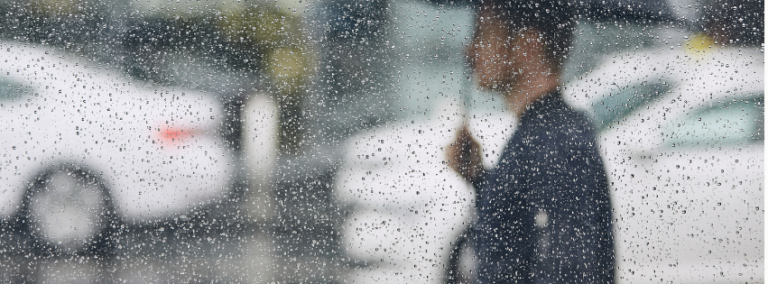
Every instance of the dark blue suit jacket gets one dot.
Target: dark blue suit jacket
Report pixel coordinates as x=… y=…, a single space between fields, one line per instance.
x=545 y=212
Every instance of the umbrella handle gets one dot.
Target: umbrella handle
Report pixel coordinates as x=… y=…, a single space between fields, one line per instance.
x=465 y=93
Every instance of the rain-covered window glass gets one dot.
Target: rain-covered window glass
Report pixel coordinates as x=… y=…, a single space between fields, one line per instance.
x=382 y=141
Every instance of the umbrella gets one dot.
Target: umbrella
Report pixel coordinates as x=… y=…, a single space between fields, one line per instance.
x=602 y=10
x=655 y=10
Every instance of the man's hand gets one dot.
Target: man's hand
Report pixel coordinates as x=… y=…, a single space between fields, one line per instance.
x=464 y=156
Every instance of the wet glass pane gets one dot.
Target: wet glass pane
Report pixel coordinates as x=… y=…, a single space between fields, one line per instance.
x=382 y=141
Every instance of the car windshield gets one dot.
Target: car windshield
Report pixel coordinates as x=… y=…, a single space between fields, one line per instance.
x=382 y=141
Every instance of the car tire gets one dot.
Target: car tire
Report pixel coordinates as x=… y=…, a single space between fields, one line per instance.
x=68 y=211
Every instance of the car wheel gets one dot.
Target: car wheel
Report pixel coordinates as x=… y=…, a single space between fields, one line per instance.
x=68 y=211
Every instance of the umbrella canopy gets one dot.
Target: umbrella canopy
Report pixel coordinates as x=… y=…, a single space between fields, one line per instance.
x=601 y=10
x=655 y=10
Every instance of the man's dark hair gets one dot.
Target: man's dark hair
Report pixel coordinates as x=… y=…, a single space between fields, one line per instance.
x=552 y=19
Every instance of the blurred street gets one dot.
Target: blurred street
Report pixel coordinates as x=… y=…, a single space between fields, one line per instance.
x=246 y=258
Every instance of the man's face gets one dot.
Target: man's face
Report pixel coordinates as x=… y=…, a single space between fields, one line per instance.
x=491 y=53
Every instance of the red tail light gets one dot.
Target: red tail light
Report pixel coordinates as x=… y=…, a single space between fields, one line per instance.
x=171 y=136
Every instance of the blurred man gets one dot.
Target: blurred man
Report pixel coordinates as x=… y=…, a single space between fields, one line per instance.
x=544 y=211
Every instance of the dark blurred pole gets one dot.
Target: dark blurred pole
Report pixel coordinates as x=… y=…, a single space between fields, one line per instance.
x=350 y=91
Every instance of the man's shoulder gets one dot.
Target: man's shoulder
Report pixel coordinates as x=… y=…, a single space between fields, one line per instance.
x=562 y=124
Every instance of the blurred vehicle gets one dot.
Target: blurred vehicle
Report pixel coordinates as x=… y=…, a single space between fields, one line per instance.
x=409 y=208
x=680 y=132
x=682 y=138
x=86 y=150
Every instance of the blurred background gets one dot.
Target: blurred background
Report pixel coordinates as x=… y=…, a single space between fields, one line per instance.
x=296 y=141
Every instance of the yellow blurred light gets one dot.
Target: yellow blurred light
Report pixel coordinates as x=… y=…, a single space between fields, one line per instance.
x=699 y=44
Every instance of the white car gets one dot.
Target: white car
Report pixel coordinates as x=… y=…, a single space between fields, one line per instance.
x=409 y=208
x=85 y=148
x=682 y=139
